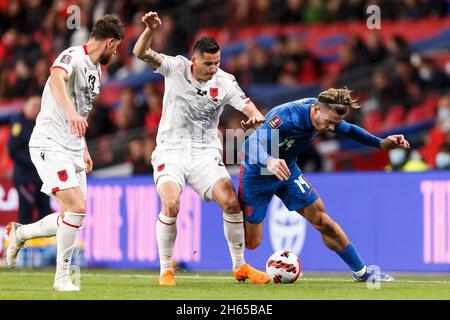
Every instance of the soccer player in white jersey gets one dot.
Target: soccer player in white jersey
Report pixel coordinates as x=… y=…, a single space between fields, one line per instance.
x=188 y=148
x=58 y=148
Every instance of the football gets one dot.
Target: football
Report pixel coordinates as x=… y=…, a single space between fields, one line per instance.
x=283 y=267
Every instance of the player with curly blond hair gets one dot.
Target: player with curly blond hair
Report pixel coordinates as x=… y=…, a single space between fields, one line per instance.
x=270 y=169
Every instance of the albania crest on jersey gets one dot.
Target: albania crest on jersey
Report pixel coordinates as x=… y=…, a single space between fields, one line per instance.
x=214 y=92
x=62 y=175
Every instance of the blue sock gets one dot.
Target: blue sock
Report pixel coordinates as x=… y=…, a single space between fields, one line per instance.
x=351 y=258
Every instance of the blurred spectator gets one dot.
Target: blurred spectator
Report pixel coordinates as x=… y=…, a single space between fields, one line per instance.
x=354 y=10
x=262 y=71
x=23 y=85
x=411 y=10
x=405 y=160
x=40 y=75
x=349 y=63
x=35 y=11
x=313 y=11
x=127 y=116
x=385 y=92
x=438 y=135
x=137 y=154
x=398 y=49
x=443 y=157
x=376 y=50
x=359 y=49
x=432 y=76
x=27 y=49
x=291 y=11
x=153 y=106
x=99 y=121
x=409 y=79
x=443 y=113
x=334 y=11
x=25 y=176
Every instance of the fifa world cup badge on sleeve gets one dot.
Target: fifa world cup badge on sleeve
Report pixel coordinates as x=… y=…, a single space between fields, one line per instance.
x=66 y=59
x=275 y=122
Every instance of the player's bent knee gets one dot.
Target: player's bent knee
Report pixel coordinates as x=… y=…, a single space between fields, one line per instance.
x=231 y=206
x=171 y=207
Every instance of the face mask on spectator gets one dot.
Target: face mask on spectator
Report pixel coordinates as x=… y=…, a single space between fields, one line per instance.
x=444 y=114
x=425 y=74
x=443 y=160
x=397 y=156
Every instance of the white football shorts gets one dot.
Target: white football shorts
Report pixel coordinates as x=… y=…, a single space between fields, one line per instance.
x=59 y=168
x=201 y=171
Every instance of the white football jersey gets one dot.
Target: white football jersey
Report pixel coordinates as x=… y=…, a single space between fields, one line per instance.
x=191 y=110
x=83 y=86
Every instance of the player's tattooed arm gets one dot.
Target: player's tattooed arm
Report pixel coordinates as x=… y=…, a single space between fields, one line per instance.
x=142 y=48
x=152 y=58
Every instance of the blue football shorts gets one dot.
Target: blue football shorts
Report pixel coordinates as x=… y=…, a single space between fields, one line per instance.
x=256 y=191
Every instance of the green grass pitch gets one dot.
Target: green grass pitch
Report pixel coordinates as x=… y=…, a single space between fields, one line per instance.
x=141 y=284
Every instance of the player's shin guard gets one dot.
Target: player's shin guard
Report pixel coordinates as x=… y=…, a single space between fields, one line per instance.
x=166 y=233
x=233 y=227
x=46 y=227
x=66 y=237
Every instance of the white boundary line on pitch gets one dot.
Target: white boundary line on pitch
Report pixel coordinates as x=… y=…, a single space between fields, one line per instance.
x=221 y=278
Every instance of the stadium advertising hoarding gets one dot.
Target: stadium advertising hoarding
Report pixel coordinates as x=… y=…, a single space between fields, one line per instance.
x=399 y=221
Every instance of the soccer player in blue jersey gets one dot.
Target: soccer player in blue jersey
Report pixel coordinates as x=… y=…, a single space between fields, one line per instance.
x=270 y=169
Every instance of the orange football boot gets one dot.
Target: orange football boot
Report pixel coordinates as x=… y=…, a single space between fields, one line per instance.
x=167 y=279
x=248 y=272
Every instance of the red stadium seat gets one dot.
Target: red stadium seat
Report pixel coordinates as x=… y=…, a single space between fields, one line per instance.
x=372 y=122
x=420 y=113
x=432 y=103
x=394 y=117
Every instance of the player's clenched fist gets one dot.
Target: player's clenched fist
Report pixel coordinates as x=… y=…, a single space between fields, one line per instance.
x=279 y=168
x=151 y=20
x=395 y=141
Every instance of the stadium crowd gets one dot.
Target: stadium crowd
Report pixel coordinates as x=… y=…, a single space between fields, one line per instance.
x=397 y=80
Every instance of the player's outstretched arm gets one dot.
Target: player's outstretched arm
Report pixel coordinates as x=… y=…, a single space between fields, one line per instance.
x=255 y=117
x=58 y=86
x=359 y=134
x=142 y=48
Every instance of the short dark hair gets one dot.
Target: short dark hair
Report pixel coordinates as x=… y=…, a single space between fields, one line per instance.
x=108 y=26
x=206 y=44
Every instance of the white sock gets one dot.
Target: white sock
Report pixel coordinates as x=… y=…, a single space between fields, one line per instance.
x=66 y=237
x=361 y=272
x=233 y=227
x=166 y=233
x=46 y=227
